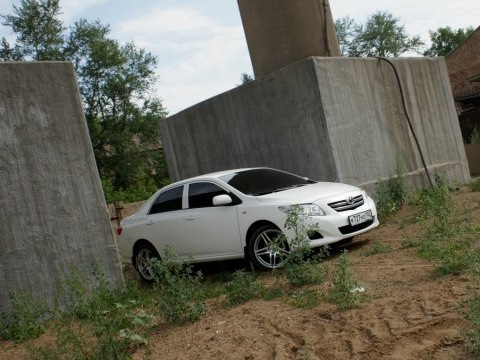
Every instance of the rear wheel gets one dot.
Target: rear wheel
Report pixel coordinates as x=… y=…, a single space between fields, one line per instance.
x=143 y=256
x=268 y=248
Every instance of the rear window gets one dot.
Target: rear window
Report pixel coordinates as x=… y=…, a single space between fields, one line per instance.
x=169 y=200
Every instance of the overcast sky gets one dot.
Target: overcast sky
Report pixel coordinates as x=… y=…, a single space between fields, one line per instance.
x=200 y=44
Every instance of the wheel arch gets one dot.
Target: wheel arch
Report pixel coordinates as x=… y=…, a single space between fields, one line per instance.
x=137 y=246
x=254 y=227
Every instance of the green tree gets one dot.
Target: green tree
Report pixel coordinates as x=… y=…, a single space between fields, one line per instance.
x=116 y=82
x=445 y=40
x=346 y=31
x=38 y=29
x=381 y=35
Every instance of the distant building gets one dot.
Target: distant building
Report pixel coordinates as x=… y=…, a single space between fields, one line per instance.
x=464 y=71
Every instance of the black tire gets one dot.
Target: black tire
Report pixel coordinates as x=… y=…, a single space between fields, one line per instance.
x=143 y=254
x=268 y=248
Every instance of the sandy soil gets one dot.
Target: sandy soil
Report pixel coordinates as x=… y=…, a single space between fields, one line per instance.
x=410 y=314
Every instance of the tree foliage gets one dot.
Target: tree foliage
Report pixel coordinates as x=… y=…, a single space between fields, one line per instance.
x=445 y=40
x=38 y=29
x=245 y=79
x=116 y=82
x=381 y=35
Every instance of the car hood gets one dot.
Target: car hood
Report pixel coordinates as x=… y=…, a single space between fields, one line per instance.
x=309 y=193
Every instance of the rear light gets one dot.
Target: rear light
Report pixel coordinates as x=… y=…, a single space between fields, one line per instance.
x=119 y=230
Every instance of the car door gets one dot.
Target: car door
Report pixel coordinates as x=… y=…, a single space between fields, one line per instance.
x=212 y=231
x=165 y=225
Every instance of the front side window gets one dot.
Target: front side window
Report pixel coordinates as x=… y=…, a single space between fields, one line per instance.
x=169 y=200
x=201 y=195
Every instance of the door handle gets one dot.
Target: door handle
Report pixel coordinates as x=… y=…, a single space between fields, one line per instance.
x=150 y=223
x=190 y=217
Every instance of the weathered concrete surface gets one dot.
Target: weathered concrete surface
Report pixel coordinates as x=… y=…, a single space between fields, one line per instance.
x=281 y=32
x=53 y=217
x=333 y=119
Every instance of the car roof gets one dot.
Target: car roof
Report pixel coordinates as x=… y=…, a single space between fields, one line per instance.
x=209 y=176
x=216 y=174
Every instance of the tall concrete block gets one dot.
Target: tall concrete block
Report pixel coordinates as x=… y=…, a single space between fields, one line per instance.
x=53 y=217
x=281 y=32
x=331 y=119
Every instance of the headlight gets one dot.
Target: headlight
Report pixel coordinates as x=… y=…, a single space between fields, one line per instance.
x=307 y=209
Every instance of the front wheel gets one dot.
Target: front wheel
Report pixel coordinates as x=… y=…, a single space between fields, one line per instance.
x=268 y=248
x=143 y=256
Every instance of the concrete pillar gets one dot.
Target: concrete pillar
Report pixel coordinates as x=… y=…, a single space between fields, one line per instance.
x=281 y=32
x=53 y=217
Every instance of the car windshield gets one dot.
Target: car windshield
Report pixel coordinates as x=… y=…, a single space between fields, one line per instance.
x=263 y=181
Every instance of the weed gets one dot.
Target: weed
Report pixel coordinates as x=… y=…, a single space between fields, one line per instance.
x=475 y=137
x=25 y=320
x=304 y=299
x=392 y=194
x=344 y=285
x=103 y=323
x=242 y=288
x=445 y=231
x=471 y=312
x=302 y=266
x=475 y=185
x=378 y=248
x=181 y=298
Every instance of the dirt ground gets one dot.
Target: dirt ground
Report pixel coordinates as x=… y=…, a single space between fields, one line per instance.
x=410 y=313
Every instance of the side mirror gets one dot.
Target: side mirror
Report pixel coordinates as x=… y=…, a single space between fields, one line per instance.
x=222 y=200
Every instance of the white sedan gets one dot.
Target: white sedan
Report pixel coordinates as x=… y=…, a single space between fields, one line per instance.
x=241 y=214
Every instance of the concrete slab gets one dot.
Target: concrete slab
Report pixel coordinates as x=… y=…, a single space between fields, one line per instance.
x=332 y=119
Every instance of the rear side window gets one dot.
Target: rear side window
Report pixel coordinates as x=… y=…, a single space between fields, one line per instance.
x=169 y=200
x=201 y=195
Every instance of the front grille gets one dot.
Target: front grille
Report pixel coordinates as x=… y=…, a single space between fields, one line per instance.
x=348 y=229
x=344 y=205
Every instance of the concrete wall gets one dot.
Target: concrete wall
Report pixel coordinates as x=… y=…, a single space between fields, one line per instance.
x=368 y=126
x=281 y=32
x=53 y=217
x=334 y=119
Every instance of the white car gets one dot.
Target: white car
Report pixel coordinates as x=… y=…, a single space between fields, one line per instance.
x=241 y=214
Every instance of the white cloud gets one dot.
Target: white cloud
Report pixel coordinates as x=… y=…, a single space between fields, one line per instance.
x=198 y=57
x=165 y=21
x=72 y=8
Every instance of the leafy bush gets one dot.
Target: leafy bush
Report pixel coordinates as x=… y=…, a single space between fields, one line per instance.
x=181 y=298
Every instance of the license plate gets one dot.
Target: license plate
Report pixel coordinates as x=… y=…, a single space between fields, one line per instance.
x=360 y=218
